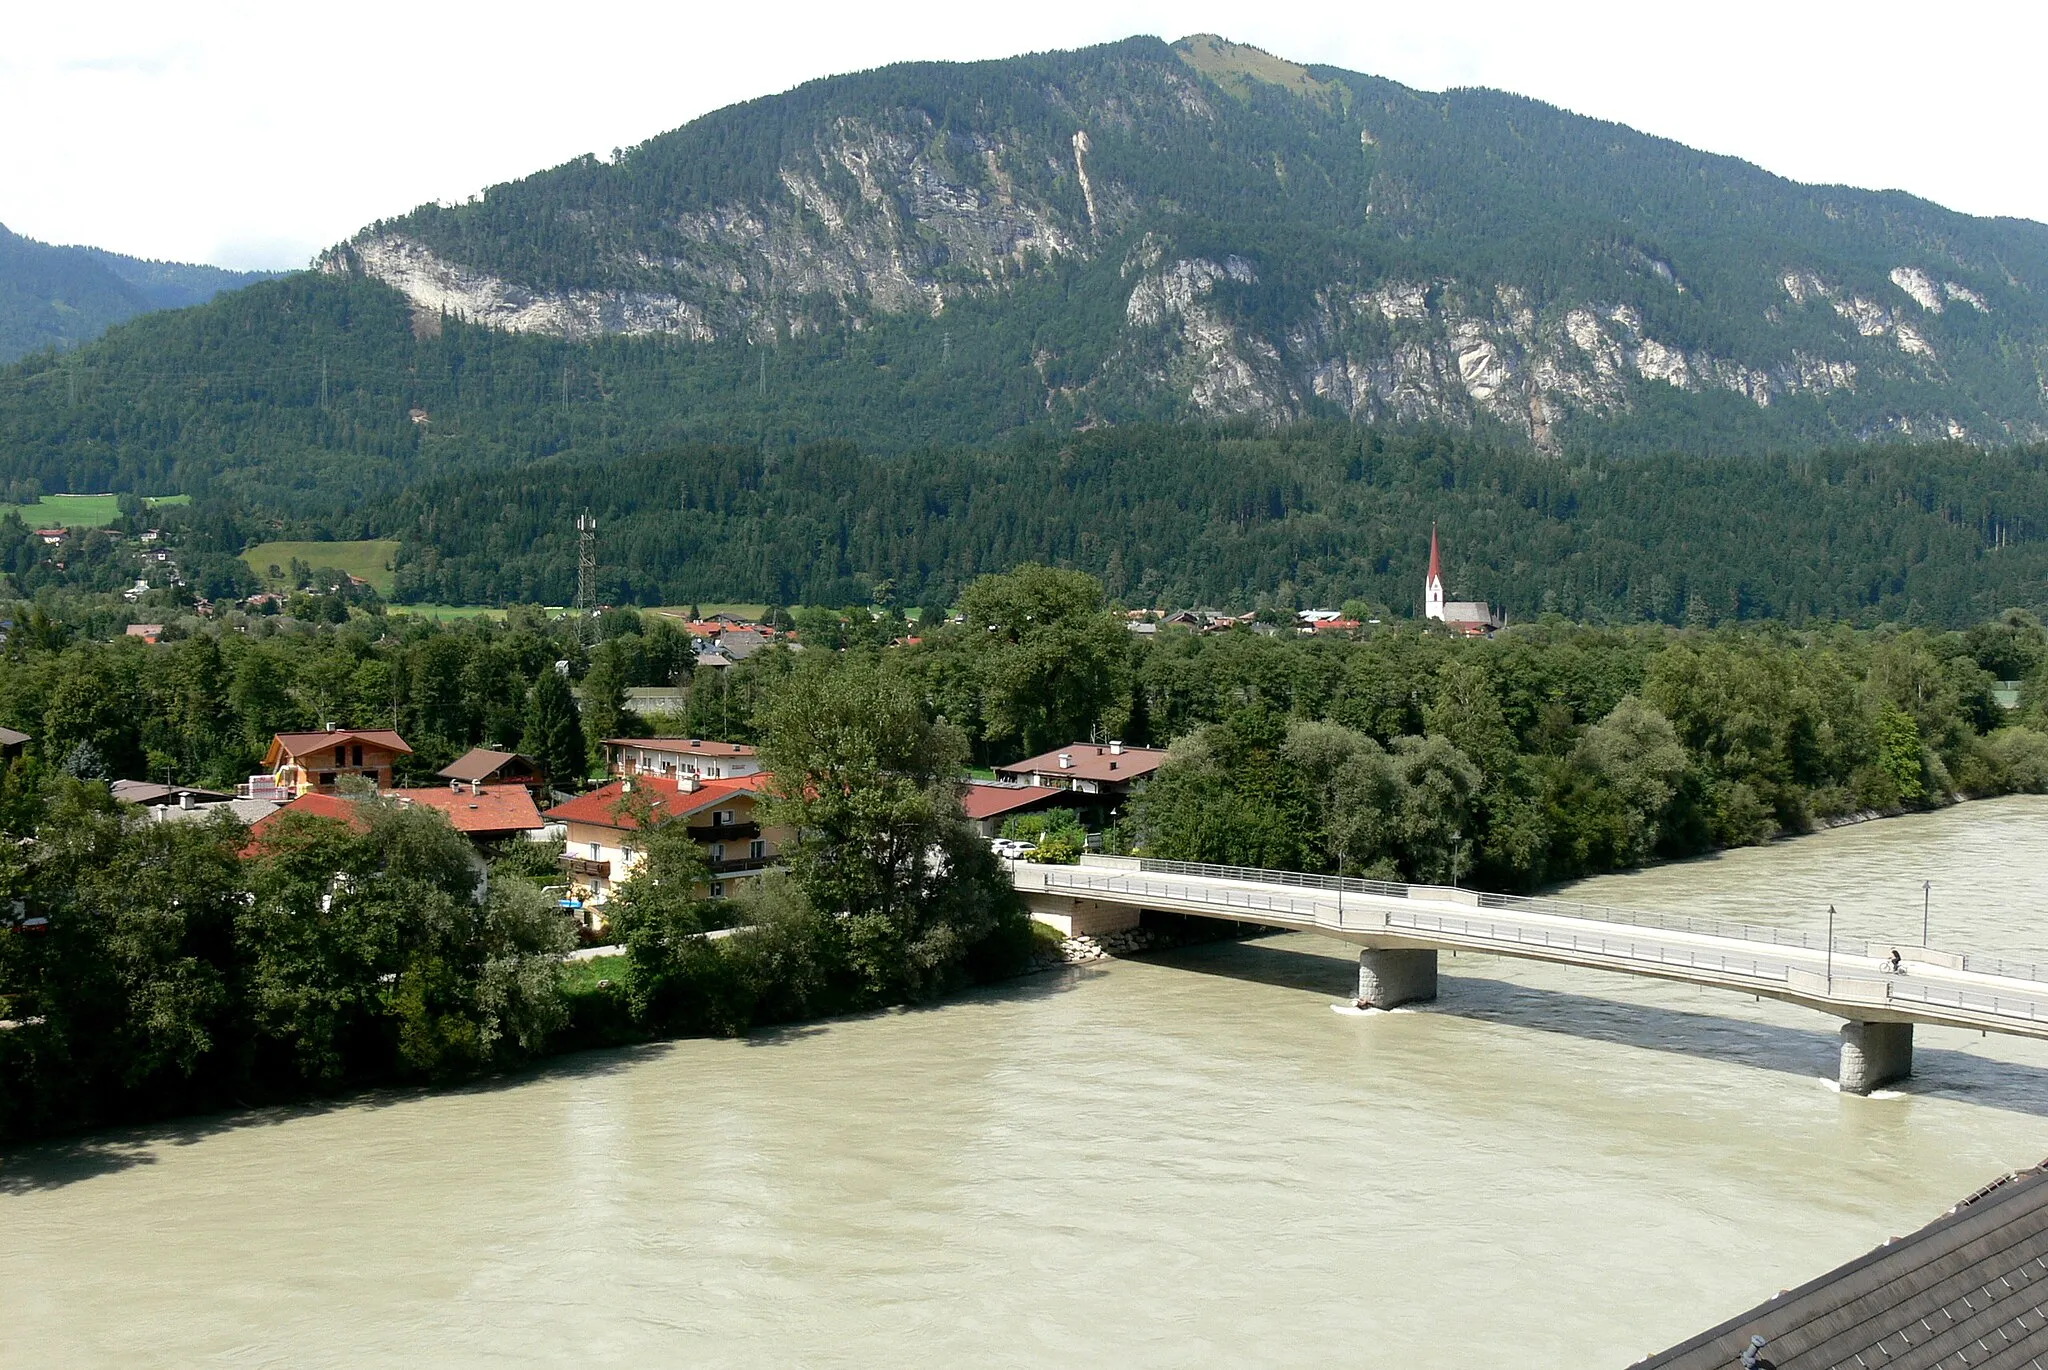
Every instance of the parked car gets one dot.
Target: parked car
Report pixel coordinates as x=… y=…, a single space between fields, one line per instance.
x=1010 y=849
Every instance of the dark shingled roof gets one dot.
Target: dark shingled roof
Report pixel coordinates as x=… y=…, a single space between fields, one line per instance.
x=1969 y=1289
x=481 y=763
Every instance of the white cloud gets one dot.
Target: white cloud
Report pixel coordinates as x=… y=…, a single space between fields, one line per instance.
x=255 y=135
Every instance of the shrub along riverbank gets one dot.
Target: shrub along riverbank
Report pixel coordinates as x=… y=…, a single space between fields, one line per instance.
x=153 y=970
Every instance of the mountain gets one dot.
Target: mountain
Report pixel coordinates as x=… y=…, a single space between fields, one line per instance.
x=1207 y=231
x=837 y=336
x=64 y=296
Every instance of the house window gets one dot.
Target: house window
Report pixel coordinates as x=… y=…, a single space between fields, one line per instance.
x=341 y=753
x=358 y=762
x=718 y=851
x=757 y=849
x=723 y=818
x=327 y=780
x=718 y=889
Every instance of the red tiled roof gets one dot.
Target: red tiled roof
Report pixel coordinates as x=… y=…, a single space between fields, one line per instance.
x=690 y=746
x=499 y=808
x=298 y=744
x=1092 y=762
x=598 y=808
x=984 y=800
x=313 y=805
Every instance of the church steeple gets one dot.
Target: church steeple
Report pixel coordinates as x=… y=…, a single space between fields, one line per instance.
x=1433 y=587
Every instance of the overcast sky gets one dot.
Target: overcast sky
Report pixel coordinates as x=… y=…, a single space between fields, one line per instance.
x=257 y=134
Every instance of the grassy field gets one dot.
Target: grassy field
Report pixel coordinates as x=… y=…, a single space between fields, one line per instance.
x=372 y=560
x=79 y=511
x=746 y=611
x=442 y=613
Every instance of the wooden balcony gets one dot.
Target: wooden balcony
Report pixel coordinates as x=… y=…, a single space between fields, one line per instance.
x=583 y=865
x=725 y=832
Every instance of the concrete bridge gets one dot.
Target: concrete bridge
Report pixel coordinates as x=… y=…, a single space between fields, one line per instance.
x=1401 y=928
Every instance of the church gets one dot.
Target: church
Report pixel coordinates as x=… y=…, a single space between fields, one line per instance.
x=1470 y=618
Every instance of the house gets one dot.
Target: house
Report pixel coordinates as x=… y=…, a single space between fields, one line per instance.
x=1958 y=1292
x=988 y=805
x=184 y=804
x=741 y=643
x=148 y=632
x=302 y=762
x=12 y=743
x=677 y=756
x=52 y=536
x=645 y=700
x=1468 y=618
x=150 y=795
x=1108 y=769
x=312 y=805
x=487 y=766
x=602 y=834
x=480 y=812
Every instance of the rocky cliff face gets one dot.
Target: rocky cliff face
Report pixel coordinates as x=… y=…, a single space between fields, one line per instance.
x=1401 y=311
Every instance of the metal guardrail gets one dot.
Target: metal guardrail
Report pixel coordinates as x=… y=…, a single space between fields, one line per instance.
x=1555 y=908
x=1757 y=971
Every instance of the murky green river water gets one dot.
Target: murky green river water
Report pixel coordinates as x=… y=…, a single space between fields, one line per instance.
x=1187 y=1161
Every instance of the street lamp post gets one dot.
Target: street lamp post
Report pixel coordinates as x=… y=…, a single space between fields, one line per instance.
x=1831 y=948
x=1926 y=899
x=1457 y=849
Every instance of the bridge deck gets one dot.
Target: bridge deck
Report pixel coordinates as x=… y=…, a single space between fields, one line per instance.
x=1850 y=982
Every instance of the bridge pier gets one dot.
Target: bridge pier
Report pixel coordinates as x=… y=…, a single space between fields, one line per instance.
x=1874 y=1054
x=1389 y=978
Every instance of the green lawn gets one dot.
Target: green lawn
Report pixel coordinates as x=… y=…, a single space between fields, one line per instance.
x=747 y=611
x=79 y=511
x=443 y=612
x=372 y=559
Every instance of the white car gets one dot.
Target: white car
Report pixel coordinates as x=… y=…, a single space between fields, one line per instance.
x=1011 y=849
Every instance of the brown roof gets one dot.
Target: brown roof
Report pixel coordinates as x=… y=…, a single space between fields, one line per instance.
x=1969 y=1289
x=984 y=800
x=298 y=744
x=150 y=792
x=11 y=738
x=694 y=746
x=1092 y=762
x=480 y=763
x=601 y=807
x=496 y=809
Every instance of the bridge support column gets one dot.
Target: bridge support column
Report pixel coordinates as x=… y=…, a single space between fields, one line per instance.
x=1874 y=1054
x=1387 y=979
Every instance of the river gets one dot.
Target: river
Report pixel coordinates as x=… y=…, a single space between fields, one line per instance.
x=1182 y=1161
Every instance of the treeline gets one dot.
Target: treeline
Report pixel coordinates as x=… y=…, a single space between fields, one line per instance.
x=153 y=968
x=1179 y=516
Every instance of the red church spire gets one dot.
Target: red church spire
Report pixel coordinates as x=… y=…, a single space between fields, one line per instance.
x=1435 y=565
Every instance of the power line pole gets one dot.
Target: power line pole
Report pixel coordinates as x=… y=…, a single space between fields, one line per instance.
x=586 y=568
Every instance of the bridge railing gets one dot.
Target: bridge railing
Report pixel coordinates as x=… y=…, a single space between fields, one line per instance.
x=1759 y=970
x=1387 y=889
x=1555 y=908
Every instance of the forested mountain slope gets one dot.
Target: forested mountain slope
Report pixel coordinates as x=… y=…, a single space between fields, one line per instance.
x=1204 y=230
x=63 y=296
x=1178 y=515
